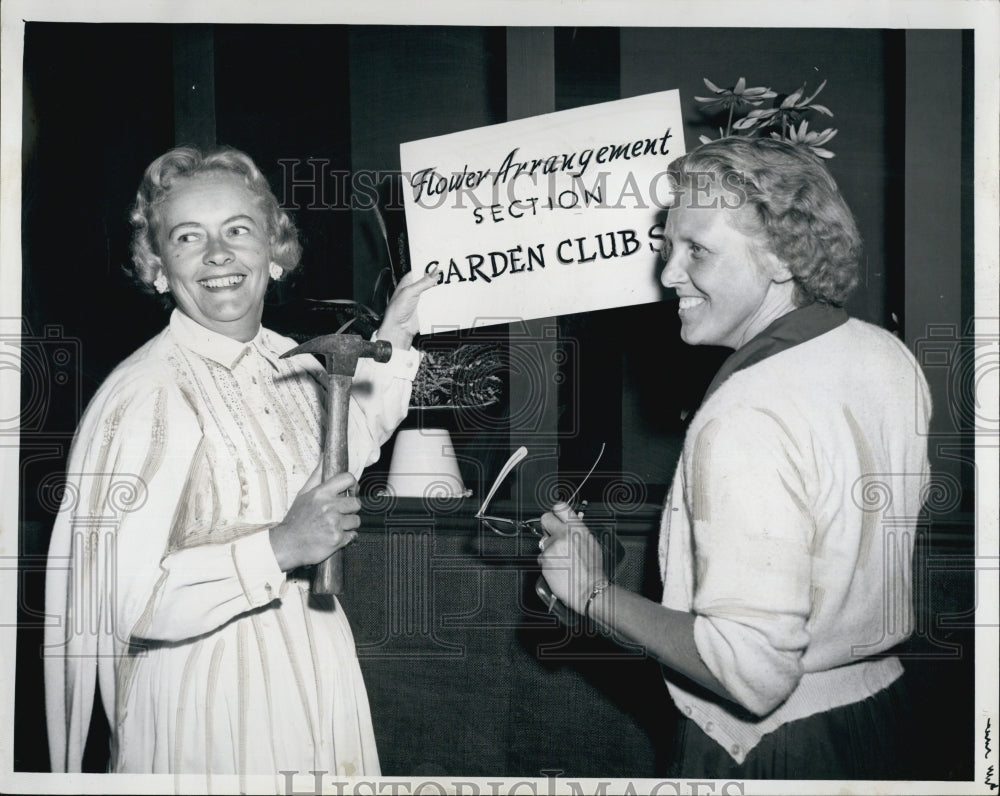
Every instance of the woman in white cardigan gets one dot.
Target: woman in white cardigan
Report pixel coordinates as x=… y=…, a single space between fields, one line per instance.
x=787 y=536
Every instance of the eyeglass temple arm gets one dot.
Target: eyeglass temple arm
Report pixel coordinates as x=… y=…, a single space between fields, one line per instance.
x=572 y=498
x=512 y=462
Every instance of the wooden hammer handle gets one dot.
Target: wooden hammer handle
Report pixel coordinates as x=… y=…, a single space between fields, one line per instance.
x=328 y=577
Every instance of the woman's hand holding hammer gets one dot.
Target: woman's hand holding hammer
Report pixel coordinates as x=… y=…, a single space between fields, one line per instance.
x=320 y=520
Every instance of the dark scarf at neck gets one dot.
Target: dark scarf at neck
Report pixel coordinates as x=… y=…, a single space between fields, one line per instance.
x=789 y=330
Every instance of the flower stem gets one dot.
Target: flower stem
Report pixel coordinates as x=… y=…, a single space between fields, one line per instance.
x=729 y=122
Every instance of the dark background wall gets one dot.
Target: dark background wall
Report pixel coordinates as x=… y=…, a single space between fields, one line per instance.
x=91 y=125
x=864 y=78
x=101 y=101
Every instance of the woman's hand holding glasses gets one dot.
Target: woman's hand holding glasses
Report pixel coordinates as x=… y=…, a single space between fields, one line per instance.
x=505 y=526
x=572 y=558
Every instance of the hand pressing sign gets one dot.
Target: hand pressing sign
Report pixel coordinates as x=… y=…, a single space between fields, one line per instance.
x=544 y=216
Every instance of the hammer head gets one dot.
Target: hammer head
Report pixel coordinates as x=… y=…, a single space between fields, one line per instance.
x=341 y=352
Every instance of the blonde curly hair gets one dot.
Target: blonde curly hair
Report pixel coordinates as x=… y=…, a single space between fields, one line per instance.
x=795 y=208
x=187 y=161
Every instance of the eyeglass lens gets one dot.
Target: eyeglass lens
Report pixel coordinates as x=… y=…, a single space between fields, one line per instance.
x=508 y=527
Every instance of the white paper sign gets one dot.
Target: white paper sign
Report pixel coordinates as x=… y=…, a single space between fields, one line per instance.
x=543 y=216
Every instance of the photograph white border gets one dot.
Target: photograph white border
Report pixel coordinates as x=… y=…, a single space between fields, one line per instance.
x=983 y=16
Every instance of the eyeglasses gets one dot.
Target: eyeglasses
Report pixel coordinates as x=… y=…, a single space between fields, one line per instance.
x=508 y=527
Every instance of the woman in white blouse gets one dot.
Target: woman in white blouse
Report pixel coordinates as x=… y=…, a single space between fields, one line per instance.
x=193 y=497
x=786 y=570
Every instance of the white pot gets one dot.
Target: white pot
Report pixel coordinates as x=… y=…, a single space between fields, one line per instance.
x=424 y=465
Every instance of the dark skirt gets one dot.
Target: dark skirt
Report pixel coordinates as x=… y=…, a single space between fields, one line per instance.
x=871 y=739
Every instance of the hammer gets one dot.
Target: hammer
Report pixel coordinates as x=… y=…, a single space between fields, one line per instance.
x=341 y=353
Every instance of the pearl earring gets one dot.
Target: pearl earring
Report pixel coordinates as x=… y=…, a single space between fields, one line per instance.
x=161 y=284
x=275 y=271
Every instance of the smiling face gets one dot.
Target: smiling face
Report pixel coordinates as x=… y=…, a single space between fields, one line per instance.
x=729 y=285
x=215 y=248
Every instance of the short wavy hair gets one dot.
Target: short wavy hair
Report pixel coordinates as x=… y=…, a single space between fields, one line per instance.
x=794 y=206
x=187 y=161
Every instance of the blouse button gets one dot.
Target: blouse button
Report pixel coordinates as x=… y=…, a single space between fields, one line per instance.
x=736 y=749
x=687 y=710
x=709 y=726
